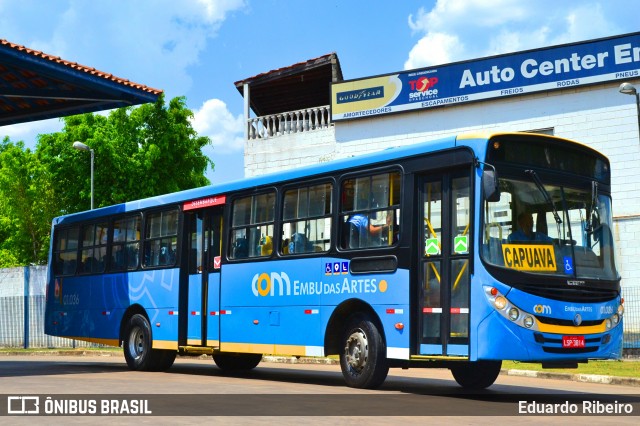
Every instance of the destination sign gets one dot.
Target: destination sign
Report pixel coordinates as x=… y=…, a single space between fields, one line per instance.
x=529 y=257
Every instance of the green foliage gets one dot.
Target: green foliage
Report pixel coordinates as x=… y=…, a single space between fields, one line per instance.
x=26 y=201
x=139 y=152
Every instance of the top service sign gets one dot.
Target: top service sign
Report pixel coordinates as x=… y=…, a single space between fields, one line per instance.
x=558 y=67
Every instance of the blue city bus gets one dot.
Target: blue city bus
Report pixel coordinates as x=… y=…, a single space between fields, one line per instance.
x=456 y=253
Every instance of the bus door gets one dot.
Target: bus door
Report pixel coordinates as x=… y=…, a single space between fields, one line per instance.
x=203 y=298
x=445 y=215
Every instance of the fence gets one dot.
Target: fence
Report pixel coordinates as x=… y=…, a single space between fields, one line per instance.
x=631 y=297
x=22 y=300
x=303 y=120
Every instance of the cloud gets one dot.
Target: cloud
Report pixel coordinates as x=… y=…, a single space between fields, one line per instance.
x=27 y=132
x=456 y=30
x=226 y=132
x=434 y=49
x=152 y=42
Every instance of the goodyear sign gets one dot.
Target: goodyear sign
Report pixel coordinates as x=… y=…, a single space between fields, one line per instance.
x=557 y=67
x=529 y=257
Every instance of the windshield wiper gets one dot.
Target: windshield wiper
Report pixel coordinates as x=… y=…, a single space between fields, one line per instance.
x=536 y=179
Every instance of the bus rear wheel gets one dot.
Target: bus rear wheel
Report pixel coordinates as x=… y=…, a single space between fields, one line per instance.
x=364 y=360
x=237 y=362
x=137 y=348
x=476 y=375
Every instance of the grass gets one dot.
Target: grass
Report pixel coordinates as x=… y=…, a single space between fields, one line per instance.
x=604 y=368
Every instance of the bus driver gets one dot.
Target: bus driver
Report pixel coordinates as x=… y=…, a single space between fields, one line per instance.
x=525 y=231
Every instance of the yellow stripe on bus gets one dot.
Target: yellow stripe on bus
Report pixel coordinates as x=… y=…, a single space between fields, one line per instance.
x=260 y=348
x=165 y=344
x=251 y=348
x=572 y=330
x=108 y=342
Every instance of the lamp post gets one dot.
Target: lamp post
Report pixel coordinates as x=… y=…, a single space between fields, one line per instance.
x=629 y=89
x=82 y=147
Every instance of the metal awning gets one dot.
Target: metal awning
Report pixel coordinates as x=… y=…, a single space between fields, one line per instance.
x=37 y=86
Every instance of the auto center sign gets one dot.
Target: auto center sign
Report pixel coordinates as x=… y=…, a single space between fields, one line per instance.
x=558 y=67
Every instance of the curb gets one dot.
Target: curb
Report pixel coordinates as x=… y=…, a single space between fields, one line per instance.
x=585 y=378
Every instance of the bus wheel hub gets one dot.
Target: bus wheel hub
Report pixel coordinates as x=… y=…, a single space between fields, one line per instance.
x=357 y=350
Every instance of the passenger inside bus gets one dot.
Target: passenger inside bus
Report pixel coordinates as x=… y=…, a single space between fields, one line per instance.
x=525 y=230
x=240 y=248
x=266 y=245
x=299 y=244
x=365 y=232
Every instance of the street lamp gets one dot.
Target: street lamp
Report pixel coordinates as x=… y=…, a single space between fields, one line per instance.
x=629 y=89
x=82 y=147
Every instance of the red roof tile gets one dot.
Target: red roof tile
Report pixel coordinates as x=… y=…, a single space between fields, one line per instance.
x=80 y=67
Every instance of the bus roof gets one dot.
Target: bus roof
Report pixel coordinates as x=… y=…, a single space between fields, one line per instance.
x=473 y=140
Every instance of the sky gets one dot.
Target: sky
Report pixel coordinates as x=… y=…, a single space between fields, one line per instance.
x=199 y=48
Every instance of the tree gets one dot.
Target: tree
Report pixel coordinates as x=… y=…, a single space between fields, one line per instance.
x=27 y=206
x=139 y=152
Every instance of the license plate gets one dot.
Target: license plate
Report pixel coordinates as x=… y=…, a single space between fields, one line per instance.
x=573 y=341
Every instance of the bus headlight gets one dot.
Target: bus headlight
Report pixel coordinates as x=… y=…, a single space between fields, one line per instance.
x=608 y=323
x=616 y=319
x=513 y=314
x=506 y=309
x=620 y=310
x=528 y=321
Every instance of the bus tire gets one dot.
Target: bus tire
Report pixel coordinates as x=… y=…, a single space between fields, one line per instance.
x=137 y=347
x=236 y=361
x=476 y=375
x=364 y=360
x=163 y=359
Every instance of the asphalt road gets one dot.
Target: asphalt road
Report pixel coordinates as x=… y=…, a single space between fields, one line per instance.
x=295 y=393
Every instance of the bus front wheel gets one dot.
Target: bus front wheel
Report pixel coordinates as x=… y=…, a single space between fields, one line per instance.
x=364 y=360
x=476 y=375
x=137 y=347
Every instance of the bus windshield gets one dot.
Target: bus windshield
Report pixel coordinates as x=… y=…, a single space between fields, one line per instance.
x=543 y=228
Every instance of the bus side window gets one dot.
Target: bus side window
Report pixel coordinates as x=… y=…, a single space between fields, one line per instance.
x=306 y=219
x=252 y=224
x=125 y=243
x=370 y=211
x=66 y=250
x=161 y=238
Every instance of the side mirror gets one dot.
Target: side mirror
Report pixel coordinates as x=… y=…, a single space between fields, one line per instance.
x=490 y=185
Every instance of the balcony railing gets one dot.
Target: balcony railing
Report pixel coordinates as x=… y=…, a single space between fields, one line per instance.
x=284 y=123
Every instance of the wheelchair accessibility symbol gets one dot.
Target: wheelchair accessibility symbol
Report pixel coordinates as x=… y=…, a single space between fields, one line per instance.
x=568 y=265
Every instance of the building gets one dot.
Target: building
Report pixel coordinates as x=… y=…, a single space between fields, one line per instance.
x=306 y=113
